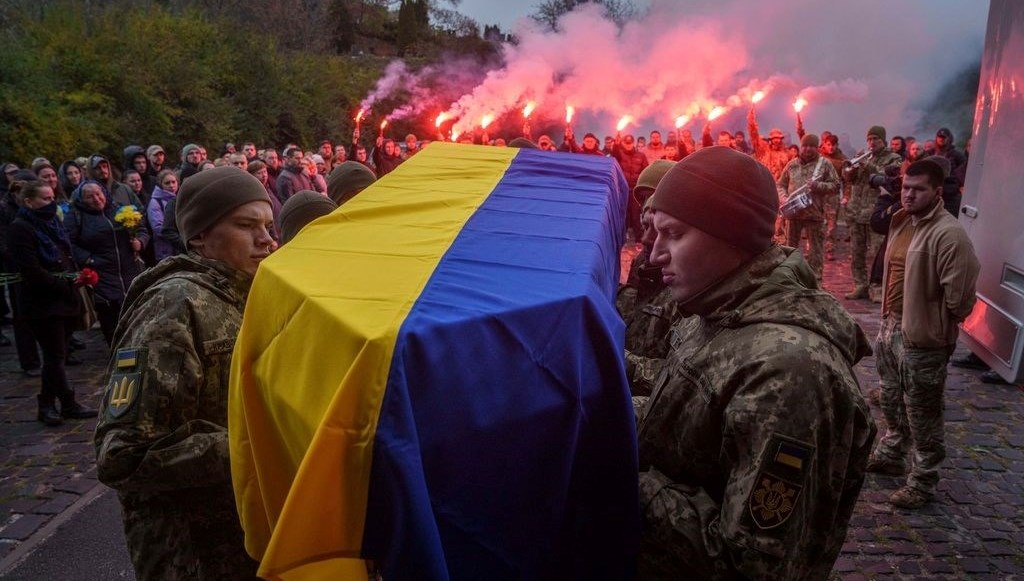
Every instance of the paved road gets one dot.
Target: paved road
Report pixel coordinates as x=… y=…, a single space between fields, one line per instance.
x=51 y=511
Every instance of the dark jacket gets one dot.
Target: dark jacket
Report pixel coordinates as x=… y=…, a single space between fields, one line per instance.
x=957 y=161
x=148 y=178
x=385 y=163
x=45 y=293
x=631 y=162
x=290 y=182
x=100 y=243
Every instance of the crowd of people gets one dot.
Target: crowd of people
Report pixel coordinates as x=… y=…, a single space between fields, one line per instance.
x=740 y=473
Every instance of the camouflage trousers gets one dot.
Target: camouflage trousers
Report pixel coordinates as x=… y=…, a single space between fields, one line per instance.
x=864 y=244
x=913 y=387
x=832 y=209
x=815 y=252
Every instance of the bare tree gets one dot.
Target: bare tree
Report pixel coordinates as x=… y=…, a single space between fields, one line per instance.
x=619 y=11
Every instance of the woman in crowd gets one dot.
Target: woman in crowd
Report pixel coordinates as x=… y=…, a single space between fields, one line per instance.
x=46 y=174
x=133 y=179
x=42 y=253
x=259 y=170
x=165 y=191
x=318 y=182
x=99 y=242
x=70 y=175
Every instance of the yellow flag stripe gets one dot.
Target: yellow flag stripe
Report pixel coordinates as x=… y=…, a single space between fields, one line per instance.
x=302 y=423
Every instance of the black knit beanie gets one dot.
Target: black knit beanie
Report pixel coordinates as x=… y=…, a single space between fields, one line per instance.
x=207 y=196
x=724 y=193
x=301 y=209
x=348 y=179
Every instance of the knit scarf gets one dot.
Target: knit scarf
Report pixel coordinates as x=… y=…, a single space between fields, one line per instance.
x=50 y=232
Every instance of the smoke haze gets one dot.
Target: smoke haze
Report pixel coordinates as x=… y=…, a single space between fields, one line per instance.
x=857 y=63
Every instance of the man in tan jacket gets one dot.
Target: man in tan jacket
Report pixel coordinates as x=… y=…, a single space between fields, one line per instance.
x=928 y=286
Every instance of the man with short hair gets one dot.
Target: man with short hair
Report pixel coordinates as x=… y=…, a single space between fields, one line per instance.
x=725 y=139
x=120 y=194
x=813 y=170
x=545 y=143
x=860 y=203
x=326 y=149
x=239 y=160
x=753 y=445
x=161 y=440
x=632 y=162
x=411 y=146
x=273 y=161
x=292 y=179
x=655 y=149
x=830 y=151
x=249 y=150
x=929 y=288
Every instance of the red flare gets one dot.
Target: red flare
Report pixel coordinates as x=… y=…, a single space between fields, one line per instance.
x=441 y=119
x=716 y=113
x=623 y=122
x=383 y=124
x=681 y=120
x=799 y=104
x=486 y=120
x=569 y=112
x=529 y=109
x=360 y=115
x=757 y=97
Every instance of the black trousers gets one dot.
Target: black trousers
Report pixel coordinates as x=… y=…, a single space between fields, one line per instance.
x=24 y=341
x=108 y=313
x=52 y=334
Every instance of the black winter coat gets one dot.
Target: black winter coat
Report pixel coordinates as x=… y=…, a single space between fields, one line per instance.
x=44 y=292
x=103 y=245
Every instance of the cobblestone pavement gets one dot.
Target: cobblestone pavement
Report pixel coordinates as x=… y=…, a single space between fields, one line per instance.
x=973 y=530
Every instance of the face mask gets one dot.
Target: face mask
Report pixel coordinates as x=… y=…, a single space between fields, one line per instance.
x=47 y=212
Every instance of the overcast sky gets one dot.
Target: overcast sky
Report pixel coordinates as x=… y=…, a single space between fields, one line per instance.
x=501 y=12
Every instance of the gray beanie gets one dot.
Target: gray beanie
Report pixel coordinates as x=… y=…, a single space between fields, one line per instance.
x=301 y=209
x=205 y=197
x=348 y=179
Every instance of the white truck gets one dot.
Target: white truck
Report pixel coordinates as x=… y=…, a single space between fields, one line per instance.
x=993 y=201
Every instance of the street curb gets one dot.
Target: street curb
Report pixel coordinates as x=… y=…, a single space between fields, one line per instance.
x=29 y=545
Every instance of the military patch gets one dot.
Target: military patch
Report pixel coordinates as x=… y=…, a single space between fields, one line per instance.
x=125 y=381
x=123 y=391
x=784 y=465
x=772 y=500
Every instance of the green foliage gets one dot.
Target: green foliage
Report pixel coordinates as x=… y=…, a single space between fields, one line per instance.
x=74 y=83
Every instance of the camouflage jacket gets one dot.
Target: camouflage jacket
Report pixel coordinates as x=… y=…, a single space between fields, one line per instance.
x=649 y=312
x=754 y=442
x=161 y=440
x=862 y=195
x=798 y=173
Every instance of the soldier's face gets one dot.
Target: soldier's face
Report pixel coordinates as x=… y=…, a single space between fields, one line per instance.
x=690 y=259
x=875 y=143
x=918 y=196
x=241 y=239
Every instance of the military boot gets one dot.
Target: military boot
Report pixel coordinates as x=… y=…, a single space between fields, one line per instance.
x=73 y=410
x=48 y=412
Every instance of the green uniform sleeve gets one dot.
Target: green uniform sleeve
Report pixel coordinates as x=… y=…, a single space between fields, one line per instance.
x=152 y=433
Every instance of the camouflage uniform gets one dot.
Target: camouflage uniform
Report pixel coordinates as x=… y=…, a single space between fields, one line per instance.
x=810 y=220
x=754 y=443
x=649 y=312
x=832 y=205
x=919 y=375
x=161 y=441
x=863 y=241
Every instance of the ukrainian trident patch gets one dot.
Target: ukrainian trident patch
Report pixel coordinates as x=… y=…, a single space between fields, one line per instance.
x=125 y=381
x=772 y=501
x=785 y=464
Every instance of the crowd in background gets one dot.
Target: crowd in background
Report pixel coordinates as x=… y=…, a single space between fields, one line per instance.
x=90 y=195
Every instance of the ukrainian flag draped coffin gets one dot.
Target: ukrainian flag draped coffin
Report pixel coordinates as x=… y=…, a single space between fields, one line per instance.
x=431 y=377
